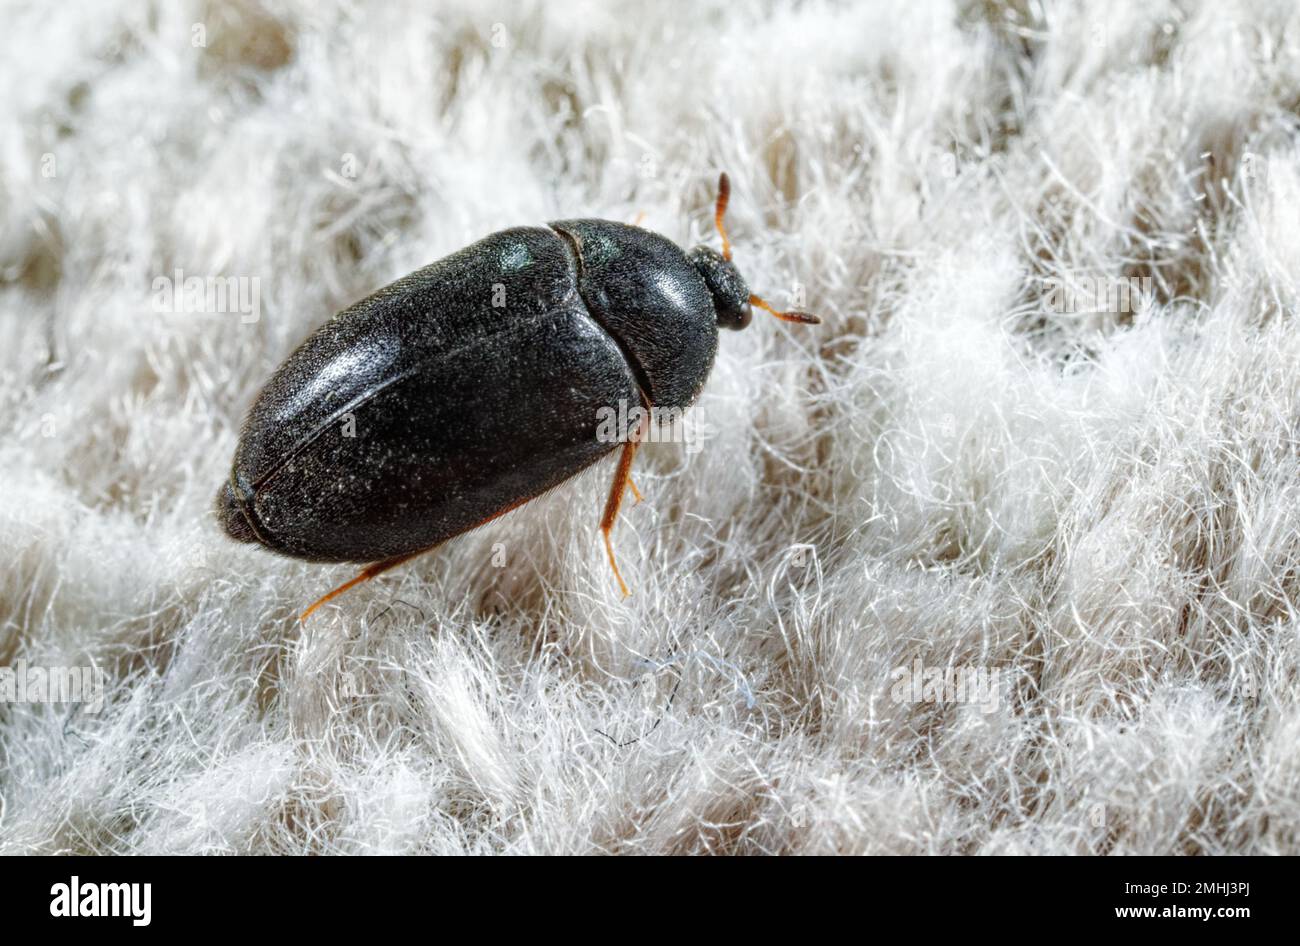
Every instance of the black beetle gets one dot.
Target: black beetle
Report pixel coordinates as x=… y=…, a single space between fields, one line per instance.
x=475 y=384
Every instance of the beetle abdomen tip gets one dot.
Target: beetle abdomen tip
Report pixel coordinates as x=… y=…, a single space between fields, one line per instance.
x=231 y=513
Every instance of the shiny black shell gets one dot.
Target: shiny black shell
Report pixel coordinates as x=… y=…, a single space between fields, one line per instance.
x=465 y=389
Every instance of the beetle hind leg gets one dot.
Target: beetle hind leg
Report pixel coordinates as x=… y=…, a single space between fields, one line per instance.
x=365 y=575
x=622 y=482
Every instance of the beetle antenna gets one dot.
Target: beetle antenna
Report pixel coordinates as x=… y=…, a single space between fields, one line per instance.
x=720 y=210
x=803 y=318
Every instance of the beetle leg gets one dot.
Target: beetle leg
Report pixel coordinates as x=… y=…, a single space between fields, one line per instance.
x=622 y=483
x=378 y=568
x=368 y=573
x=622 y=479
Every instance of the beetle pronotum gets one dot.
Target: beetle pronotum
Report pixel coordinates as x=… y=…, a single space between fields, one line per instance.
x=473 y=385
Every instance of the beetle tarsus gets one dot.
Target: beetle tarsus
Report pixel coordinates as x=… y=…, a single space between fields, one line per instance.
x=609 y=551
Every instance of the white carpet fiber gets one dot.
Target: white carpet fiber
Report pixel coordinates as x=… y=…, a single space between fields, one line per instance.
x=1003 y=557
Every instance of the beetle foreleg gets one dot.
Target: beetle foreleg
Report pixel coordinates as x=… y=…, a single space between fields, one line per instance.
x=622 y=481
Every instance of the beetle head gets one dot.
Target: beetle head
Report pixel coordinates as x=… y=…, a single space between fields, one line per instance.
x=731 y=297
x=726 y=285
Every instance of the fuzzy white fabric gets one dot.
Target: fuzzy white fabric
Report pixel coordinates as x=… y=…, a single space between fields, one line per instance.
x=1098 y=511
